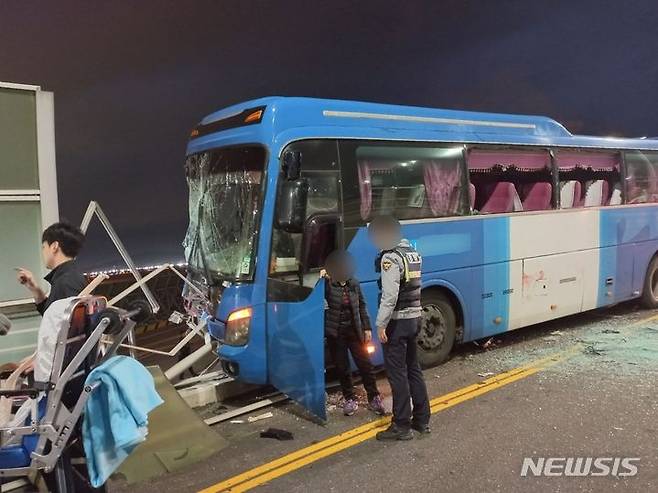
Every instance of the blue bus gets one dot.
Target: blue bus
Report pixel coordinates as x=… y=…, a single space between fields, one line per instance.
x=518 y=222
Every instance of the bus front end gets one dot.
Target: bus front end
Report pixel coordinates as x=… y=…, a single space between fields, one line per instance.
x=226 y=199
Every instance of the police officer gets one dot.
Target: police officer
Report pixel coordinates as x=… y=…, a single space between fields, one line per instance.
x=398 y=319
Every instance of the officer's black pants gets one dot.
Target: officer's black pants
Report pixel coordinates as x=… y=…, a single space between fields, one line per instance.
x=404 y=374
x=339 y=347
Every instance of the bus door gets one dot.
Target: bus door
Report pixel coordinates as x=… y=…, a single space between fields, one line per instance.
x=295 y=312
x=307 y=228
x=295 y=346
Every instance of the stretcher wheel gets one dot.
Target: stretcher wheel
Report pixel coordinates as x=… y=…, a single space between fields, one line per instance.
x=143 y=308
x=115 y=320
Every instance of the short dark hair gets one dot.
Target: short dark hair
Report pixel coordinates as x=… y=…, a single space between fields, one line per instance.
x=69 y=237
x=384 y=223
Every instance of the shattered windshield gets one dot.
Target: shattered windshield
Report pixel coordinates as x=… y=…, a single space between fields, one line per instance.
x=225 y=188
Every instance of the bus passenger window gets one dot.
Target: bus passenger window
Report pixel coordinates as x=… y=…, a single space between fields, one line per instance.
x=588 y=179
x=641 y=177
x=285 y=251
x=322 y=199
x=320 y=240
x=510 y=180
x=410 y=182
x=319 y=166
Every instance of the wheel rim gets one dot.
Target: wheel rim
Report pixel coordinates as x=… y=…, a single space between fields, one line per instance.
x=433 y=328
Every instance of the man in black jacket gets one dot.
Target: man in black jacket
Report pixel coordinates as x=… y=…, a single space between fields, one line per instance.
x=61 y=243
x=348 y=330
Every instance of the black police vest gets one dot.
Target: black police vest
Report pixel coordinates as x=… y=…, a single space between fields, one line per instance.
x=410 y=281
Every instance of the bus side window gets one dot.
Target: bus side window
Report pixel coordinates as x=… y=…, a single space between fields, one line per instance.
x=409 y=182
x=641 y=177
x=588 y=179
x=321 y=237
x=289 y=258
x=510 y=180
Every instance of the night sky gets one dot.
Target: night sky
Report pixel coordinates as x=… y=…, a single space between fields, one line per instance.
x=130 y=80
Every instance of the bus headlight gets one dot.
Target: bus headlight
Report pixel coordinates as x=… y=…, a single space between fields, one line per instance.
x=237 y=327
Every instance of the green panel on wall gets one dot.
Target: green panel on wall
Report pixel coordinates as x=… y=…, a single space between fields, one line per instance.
x=22 y=339
x=20 y=246
x=18 y=140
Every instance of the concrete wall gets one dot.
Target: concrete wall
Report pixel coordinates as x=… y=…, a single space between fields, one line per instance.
x=28 y=201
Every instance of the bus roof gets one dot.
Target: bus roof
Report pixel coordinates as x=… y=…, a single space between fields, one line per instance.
x=289 y=118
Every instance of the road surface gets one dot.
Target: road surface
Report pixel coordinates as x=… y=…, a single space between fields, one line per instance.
x=581 y=387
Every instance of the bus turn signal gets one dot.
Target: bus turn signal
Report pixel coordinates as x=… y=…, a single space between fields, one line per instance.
x=254 y=116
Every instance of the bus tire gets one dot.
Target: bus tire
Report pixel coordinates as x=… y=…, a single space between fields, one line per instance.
x=438 y=329
x=650 y=290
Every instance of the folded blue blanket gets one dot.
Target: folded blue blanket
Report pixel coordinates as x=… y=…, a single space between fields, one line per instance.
x=116 y=414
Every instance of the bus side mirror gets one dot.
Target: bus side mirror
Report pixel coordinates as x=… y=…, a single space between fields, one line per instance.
x=291 y=205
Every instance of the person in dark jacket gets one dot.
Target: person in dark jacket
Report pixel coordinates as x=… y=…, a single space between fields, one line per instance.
x=347 y=327
x=61 y=243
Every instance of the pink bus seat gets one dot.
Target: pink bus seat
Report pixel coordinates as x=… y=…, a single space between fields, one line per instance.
x=538 y=197
x=503 y=199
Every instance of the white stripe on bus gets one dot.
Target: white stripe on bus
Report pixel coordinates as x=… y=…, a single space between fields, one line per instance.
x=425 y=119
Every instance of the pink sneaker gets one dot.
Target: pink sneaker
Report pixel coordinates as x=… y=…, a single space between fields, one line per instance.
x=377 y=406
x=350 y=407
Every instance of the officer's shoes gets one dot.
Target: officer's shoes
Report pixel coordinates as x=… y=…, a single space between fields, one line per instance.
x=395 y=433
x=422 y=429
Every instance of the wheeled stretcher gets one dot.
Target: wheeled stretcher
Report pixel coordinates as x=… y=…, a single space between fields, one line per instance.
x=41 y=441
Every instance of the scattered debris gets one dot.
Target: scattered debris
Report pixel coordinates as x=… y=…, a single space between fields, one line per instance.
x=489 y=343
x=277 y=434
x=486 y=374
x=176 y=318
x=335 y=399
x=216 y=408
x=251 y=419
x=557 y=333
x=592 y=350
x=237 y=421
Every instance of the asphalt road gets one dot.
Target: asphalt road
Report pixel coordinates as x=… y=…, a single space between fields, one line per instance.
x=594 y=396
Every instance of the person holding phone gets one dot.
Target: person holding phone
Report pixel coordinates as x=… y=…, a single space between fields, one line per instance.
x=60 y=245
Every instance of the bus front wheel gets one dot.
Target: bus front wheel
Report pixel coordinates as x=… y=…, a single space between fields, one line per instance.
x=650 y=291
x=438 y=328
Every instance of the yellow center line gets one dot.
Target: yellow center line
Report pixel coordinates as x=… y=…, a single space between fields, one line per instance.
x=300 y=458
